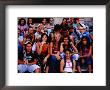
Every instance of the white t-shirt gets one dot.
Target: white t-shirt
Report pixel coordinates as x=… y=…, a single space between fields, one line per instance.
x=37 y=35
x=68 y=67
x=34 y=47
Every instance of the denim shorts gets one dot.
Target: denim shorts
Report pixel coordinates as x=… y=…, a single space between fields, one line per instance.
x=88 y=61
x=30 y=68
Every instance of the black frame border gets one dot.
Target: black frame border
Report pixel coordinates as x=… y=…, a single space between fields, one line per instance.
x=4 y=3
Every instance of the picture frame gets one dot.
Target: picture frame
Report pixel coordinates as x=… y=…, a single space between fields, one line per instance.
x=4 y=3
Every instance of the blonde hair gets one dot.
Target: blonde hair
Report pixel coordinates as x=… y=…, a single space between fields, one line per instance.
x=57 y=33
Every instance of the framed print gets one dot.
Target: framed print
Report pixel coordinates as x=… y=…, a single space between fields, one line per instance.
x=54 y=43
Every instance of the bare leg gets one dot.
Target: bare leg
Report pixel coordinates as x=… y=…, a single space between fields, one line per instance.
x=90 y=68
x=47 y=68
x=37 y=70
x=79 y=69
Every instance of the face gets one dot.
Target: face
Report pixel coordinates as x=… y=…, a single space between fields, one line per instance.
x=81 y=29
x=64 y=21
x=28 y=47
x=66 y=40
x=40 y=28
x=85 y=41
x=44 y=21
x=30 y=20
x=57 y=37
x=51 y=20
x=31 y=30
x=27 y=39
x=71 y=20
x=68 y=54
x=44 y=38
x=22 y=22
x=77 y=20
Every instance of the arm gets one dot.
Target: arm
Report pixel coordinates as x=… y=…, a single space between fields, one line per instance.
x=61 y=66
x=47 y=69
x=91 y=36
x=50 y=48
x=78 y=43
x=82 y=59
x=89 y=54
x=33 y=38
x=38 y=47
x=26 y=33
x=24 y=40
x=75 y=49
x=47 y=65
x=72 y=38
x=61 y=47
x=21 y=62
x=34 y=62
x=74 y=66
x=21 y=42
x=45 y=59
x=48 y=55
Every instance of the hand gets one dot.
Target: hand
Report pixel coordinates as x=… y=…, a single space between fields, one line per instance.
x=58 y=57
x=82 y=61
x=43 y=43
x=71 y=37
x=38 y=43
x=80 y=56
x=72 y=43
x=62 y=43
x=25 y=62
x=51 y=44
x=42 y=31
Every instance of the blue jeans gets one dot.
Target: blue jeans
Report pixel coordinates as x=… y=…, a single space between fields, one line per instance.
x=54 y=65
x=88 y=61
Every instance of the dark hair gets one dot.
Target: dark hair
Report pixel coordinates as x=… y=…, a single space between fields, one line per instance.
x=75 y=19
x=88 y=42
x=46 y=36
x=28 y=36
x=67 y=50
x=67 y=37
x=30 y=27
x=51 y=18
x=57 y=27
x=27 y=44
x=43 y=19
x=28 y=21
x=65 y=28
x=69 y=42
x=19 y=21
x=64 y=18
